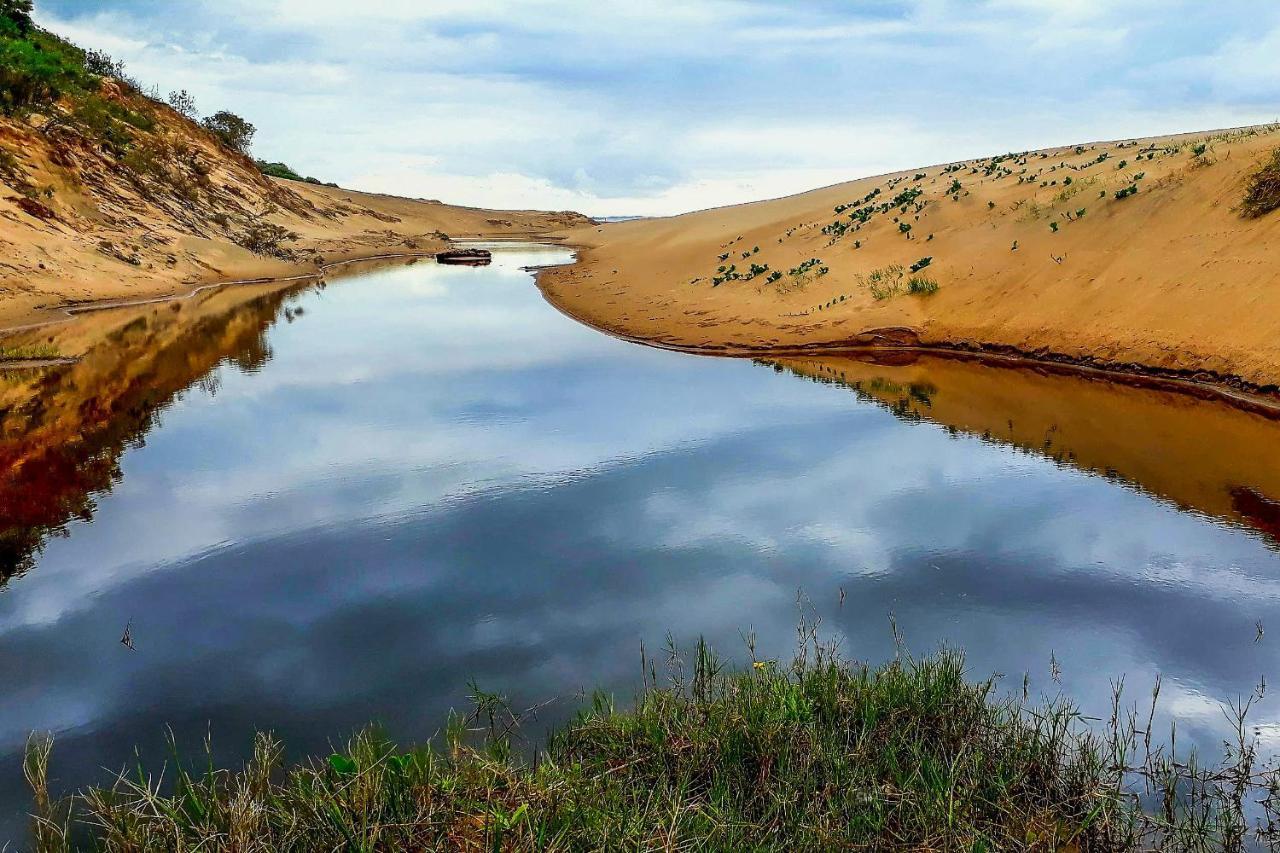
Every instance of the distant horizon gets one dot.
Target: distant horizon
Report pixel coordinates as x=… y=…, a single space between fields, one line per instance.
x=680 y=107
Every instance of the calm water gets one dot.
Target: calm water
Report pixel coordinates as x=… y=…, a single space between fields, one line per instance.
x=338 y=504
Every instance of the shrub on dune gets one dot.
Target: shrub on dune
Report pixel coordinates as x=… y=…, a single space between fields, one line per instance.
x=1263 y=193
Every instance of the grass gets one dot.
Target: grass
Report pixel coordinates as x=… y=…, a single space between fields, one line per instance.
x=818 y=753
x=1262 y=195
x=921 y=285
x=33 y=351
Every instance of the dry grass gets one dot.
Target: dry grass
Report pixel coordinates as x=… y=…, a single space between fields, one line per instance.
x=1263 y=193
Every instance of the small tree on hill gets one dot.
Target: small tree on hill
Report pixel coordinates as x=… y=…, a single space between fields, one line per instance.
x=18 y=12
x=231 y=130
x=183 y=102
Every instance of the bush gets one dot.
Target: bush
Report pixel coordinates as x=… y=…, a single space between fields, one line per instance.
x=33 y=71
x=278 y=170
x=17 y=13
x=264 y=238
x=100 y=64
x=1263 y=193
x=231 y=131
x=109 y=122
x=183 y=102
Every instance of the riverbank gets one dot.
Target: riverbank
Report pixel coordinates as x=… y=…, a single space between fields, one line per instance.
x=147 y=204
x=815 y=754
x=343 y=233
x=1133 y=256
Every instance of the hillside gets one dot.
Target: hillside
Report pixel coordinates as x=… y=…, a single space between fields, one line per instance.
x=1138 y=254
x=109 y=194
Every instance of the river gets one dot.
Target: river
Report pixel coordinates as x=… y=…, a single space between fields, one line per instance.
x=321 y=506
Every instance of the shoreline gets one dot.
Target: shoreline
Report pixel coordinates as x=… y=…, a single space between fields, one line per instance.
x=78 y=309
x=1229 y=390
x=1051 y=260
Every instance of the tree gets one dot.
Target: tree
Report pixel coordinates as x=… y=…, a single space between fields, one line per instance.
x=18 y=12
x=231 y=130
x=183 y=102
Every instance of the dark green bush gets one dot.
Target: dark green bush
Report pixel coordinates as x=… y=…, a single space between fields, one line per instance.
x=17 y=13
x=278 y=170
x=34 y=70
x=231 y=130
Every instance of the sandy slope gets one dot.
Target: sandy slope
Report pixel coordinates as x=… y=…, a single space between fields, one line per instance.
x=1172 y=278
x=78 y=224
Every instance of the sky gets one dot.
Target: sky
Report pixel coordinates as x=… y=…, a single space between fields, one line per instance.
x=654 y=107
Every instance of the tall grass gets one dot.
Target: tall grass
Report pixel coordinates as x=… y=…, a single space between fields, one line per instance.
x=819 y=753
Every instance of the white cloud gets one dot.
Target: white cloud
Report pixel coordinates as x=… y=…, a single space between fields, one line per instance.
x=666 y=106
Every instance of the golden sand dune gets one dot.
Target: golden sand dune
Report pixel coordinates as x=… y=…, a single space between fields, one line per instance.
x=1132 y=254
x=81 y=224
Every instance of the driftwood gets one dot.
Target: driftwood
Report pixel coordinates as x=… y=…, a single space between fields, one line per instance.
x=467 y=257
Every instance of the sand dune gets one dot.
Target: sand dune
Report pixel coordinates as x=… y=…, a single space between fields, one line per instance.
x=78 y=224
x=1046 y=253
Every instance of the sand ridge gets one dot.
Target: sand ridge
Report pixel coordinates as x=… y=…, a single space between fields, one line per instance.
x=1050 y=254
x=79 y=225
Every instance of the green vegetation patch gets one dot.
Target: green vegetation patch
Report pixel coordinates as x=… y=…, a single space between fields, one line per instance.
x=817 y=754
x=36 y=67
x=895 y=280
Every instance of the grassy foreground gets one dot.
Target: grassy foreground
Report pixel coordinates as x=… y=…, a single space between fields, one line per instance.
x=818 y=754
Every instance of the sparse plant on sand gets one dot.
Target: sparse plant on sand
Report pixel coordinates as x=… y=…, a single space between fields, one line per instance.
x=1262 y=195
x=920 y=285
x=183 y=102
x=884 y=282
x=267 y=238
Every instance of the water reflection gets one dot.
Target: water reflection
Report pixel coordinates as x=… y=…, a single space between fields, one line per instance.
x=63 y=429
x=435 y=477
x=1202 y=455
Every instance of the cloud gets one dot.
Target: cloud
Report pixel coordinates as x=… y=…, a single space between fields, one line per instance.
x=664 y=106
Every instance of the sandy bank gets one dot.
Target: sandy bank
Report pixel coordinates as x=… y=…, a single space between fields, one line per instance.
x=80 y=225
x=1048 y=255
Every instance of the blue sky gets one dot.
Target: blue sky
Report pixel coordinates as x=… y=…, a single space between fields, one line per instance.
x=655 y=106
